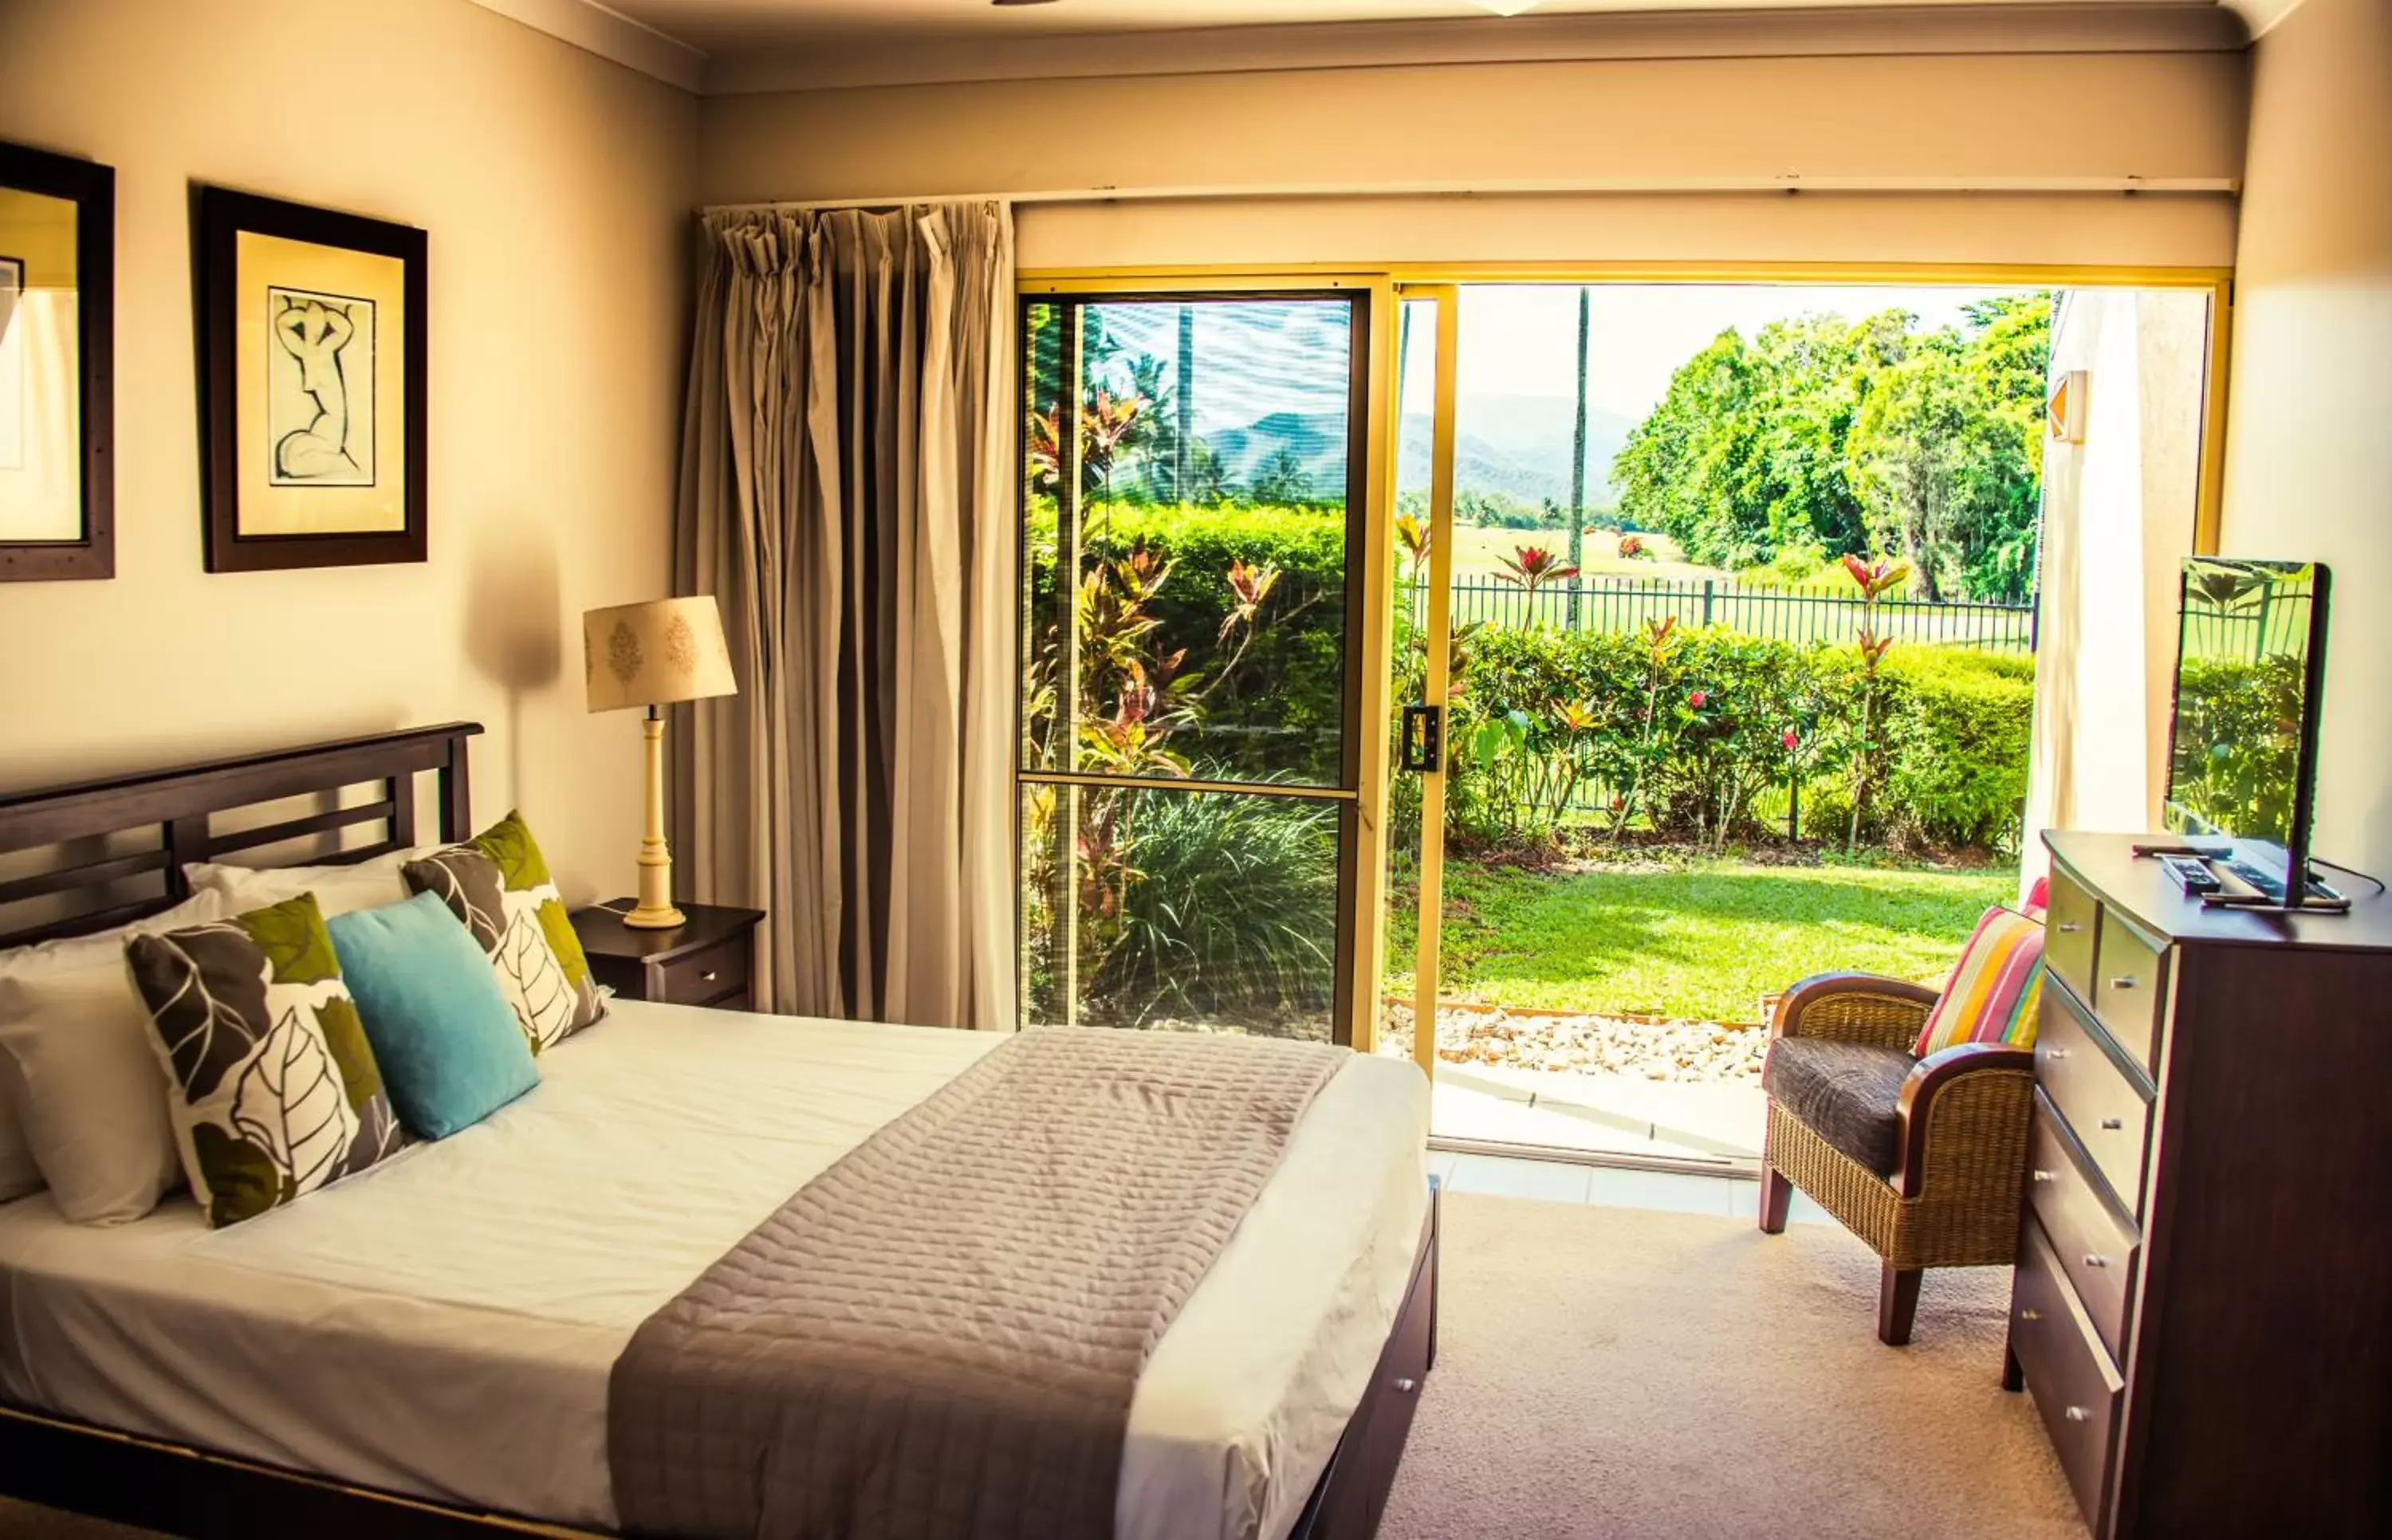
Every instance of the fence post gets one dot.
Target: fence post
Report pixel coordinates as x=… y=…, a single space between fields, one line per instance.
x=1707 y=585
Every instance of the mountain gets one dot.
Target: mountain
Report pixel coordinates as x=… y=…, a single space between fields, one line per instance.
x=1518 y=444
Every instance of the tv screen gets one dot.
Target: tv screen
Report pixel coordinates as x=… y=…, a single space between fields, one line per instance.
x=2242 y=750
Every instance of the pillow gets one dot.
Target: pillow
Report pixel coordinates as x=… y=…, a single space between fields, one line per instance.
x=19 y=1173
x=338 y=889
x=500 y=886
x=445 y=1038
x=1994 y=990
x=76 y=1035
x=274 y=1090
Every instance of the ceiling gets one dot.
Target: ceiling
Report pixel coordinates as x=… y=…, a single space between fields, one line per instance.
x=716 y=46
x=724 y=26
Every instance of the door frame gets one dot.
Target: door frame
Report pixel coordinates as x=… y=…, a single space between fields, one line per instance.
x=1360 y=793
x=1366 y=958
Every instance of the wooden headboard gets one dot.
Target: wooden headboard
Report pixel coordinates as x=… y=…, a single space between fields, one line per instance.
x=118 y=847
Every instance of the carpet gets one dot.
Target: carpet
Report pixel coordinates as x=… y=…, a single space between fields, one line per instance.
x=1633 y=1373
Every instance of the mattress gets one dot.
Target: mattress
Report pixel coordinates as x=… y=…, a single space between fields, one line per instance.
x=443 y=1324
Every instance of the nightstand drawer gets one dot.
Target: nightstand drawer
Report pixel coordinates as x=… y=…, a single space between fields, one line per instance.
x=703 y=977
x=2097 y=1249
x=2103 y=1107
x=2076 y=1386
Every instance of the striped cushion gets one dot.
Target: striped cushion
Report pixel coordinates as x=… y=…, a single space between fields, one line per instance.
x=1992 y=993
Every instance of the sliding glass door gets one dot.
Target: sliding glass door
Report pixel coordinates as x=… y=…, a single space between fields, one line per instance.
x=1193 y=498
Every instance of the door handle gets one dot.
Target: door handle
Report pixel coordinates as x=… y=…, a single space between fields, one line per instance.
x=1424 y=739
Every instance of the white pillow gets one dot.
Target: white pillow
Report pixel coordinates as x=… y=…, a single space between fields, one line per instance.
x=89 y=1092
x=20 y=1173
x=338 y=889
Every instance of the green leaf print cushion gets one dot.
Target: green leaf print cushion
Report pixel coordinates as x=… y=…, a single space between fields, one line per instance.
x=276 y=1092
x=499 y=885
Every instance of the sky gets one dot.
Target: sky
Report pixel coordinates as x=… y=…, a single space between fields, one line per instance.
x=1522 y=340
x=1258 y=357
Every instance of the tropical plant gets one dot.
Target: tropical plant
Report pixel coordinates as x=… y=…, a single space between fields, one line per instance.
x=1532 y=567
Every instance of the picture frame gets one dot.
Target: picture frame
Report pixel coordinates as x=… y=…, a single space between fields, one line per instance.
x=313 y=385
x=58 y=359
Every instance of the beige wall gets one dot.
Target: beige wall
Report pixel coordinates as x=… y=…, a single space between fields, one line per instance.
x=554 y=187
x=1628 y=125
x=2309 y=461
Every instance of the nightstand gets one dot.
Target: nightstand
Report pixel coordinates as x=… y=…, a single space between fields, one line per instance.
x=705 y=962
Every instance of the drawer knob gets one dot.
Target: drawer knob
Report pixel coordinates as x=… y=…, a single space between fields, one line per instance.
x=2046 y=1176
x=1405 y=1386
x=2070 y=927
x=2114 y=1125
x=2028 y=1313
x=2124 y=981
x=2055 y=1053
x=2077 y=1414
x=706 y=978
x=2095 y=1258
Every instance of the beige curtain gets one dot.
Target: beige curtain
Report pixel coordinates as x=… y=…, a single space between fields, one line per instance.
x=2118 y=514
x=847 y=494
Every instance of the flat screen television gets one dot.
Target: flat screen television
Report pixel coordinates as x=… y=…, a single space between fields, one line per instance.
x=2243 y=746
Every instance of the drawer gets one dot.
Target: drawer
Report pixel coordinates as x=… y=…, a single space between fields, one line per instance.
x=2071 y=926
x=2129 y=985
x=2076 y=1386
x=708 y=978
x=2099 y=1248
x=2103 y=1103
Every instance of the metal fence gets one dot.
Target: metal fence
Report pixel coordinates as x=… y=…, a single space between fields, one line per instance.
x=1799 y=615
x=2276 y=621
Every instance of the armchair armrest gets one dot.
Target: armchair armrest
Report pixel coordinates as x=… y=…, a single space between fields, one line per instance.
x=1985 y=1080
x=1854 y=1007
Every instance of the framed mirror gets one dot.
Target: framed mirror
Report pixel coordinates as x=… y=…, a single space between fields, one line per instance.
x=58 y=327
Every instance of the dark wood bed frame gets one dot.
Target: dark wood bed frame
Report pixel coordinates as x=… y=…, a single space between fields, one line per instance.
x=117 y=847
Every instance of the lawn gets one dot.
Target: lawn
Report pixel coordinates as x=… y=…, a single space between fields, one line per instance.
x=1705 y=940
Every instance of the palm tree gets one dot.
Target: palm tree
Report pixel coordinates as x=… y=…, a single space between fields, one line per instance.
x=1578 y=465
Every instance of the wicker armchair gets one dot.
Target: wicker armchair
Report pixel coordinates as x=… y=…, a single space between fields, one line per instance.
x=1925 y=1159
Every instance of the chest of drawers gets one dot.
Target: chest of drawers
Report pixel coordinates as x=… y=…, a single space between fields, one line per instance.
x=2203 y=1305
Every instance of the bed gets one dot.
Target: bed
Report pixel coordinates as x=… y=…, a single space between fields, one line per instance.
x=424 y=1350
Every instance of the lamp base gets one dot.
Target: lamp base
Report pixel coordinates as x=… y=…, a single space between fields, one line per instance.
x=644 y=918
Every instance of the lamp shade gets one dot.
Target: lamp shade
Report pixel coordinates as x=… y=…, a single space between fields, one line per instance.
x=655 y=653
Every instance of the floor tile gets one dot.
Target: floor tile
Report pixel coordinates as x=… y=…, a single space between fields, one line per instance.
x=1555 y=1181
x=1616 y=1187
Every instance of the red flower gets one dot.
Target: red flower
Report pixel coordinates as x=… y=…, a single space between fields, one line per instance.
x=1619 y=802
x=1698 y=698
x=1789 y=738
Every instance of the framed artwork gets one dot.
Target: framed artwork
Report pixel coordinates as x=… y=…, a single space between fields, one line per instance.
x=58 y=294
x=312 y=362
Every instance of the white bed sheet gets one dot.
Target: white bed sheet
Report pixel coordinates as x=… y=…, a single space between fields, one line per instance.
x=443 y=1324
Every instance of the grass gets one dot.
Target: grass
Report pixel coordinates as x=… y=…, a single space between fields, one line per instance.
x=1704 y=940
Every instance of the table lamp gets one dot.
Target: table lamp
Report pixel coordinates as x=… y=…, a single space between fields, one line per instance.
x=653 y=654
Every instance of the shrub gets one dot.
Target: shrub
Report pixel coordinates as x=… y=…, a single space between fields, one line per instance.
x=1230 y=915
x=1690 y=744
x=1959 y=724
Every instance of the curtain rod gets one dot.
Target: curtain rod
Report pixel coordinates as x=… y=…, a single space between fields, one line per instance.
x=1625 y=185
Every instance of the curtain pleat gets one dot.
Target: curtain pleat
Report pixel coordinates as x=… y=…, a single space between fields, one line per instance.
x=847 y=494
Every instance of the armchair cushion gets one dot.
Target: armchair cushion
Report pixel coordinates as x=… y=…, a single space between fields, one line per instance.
x=1848 y=1094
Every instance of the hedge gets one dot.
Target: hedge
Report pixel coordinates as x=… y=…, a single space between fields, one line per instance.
x=1945 y=763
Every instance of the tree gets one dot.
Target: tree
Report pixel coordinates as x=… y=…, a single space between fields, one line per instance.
x=1282 y=480
x=1853 y=436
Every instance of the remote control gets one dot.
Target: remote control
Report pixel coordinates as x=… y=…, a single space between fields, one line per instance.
x=2192 y=874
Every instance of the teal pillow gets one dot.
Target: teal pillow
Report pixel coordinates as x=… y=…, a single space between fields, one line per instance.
x=446 y=1038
